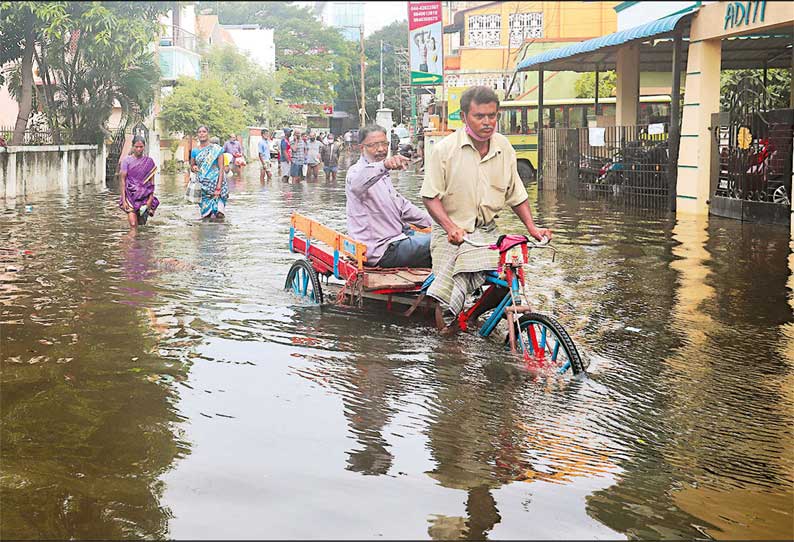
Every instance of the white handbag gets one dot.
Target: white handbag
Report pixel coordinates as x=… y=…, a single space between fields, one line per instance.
x=193 y=191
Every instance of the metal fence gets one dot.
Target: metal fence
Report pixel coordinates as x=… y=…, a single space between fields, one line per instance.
x=561 y=159
x=179 y=37
x=628 y=164
x=33 y=136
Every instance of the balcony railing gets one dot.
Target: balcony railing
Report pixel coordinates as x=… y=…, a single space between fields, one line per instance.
x=180 y=37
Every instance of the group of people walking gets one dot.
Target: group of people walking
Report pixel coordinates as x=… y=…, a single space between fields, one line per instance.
x=211 y=165
x=297 y=151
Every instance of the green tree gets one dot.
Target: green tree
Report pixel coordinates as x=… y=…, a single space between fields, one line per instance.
x=22 y=27
x=312 y=56
x=584 y=86
x=89 y=56
x=202 y=102
x=393 y=35
x=257 y=88
x=751 y=82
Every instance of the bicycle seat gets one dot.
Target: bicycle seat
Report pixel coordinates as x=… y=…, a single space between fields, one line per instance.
x=506 y=242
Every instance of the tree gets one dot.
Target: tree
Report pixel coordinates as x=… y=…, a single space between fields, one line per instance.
x=202 y=102
x=751 y=82
x=584 y=86
x=394 y=35
x=22 y=24
x=312 y=56
x=257 y=88
x=89 y=56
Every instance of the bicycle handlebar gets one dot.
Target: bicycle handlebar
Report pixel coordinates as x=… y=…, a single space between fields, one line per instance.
x=544 y=242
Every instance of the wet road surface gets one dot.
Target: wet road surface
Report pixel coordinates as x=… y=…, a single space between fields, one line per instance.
x=165 y=385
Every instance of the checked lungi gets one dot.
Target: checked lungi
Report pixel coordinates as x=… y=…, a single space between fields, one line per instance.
x=459 y=270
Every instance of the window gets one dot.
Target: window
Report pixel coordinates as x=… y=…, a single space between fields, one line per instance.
x=494 y=81
x=485 y=30
x=525 y=26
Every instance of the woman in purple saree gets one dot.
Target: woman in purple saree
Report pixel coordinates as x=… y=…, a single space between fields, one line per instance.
x=137 y=178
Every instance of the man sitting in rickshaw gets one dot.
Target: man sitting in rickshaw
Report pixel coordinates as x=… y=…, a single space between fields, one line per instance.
x=378 y=215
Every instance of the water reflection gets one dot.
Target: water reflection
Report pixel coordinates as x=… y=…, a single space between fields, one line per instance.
x=85 y=432
x=161 y=384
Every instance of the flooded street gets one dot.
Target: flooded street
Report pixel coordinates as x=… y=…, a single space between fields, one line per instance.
x=167 y=386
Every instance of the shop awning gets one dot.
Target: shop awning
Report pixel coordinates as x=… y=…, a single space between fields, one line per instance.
x=600 y=52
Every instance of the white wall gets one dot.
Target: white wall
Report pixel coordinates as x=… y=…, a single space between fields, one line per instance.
x=256 y=42
x=645 y=12
x=8 y=108
x=37 y=169
x=188 y=18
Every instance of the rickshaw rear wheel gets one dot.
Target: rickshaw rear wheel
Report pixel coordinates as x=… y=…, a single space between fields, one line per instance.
x=304 y=282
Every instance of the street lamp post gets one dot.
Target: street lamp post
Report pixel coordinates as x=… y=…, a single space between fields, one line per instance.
x=363 y=61
x=363 y=70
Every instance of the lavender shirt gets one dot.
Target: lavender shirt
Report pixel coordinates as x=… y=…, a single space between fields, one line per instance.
x=233 y=147
x=376 y=212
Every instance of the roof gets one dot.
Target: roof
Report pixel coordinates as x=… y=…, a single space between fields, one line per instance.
x=661 y=27
x=459 y=16
x=657 y=98
x=655 y=41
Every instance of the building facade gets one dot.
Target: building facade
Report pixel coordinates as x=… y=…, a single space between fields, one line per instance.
x=178 y=50
x=348 y=17
x=485 y=40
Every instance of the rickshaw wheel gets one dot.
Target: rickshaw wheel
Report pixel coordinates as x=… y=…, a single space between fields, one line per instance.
x=304 y=282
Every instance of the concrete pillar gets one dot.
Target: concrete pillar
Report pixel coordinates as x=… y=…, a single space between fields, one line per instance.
x=11 y=178
x=101 y=160
x=64 y=170
x=701 y=100
x=628 y=85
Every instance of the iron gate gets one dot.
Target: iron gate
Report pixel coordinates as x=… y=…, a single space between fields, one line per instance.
x=751 y=167
x=628 y=164
x=114 y=154
x=561 y=165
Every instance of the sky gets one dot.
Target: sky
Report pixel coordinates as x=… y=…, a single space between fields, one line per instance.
x=380 y=14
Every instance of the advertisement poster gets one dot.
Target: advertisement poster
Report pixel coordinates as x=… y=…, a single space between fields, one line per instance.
x=453 y=107
x=427 y=57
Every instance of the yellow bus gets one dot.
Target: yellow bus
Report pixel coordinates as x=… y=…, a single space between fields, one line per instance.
x=518 y=121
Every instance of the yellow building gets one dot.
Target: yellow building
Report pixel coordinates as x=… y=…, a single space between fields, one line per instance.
x=484 y=40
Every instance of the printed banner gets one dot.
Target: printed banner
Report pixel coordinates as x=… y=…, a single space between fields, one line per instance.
x=427 y=56
x=453 y=107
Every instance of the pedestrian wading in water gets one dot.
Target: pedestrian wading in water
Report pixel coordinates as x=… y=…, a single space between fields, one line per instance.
x=207 y=162
x=137 y=181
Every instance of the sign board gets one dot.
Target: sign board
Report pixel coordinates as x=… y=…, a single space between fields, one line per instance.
x=596 y=137
x=425 y=44
x=328 y=109
x=739 y=13
x=453 y=107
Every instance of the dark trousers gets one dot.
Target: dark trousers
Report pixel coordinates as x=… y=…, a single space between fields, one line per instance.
x=414 y=251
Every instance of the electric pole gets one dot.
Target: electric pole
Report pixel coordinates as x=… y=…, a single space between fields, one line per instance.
x=380 y=96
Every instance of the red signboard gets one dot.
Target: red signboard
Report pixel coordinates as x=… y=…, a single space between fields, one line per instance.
x=328 y=109
x=423 y=13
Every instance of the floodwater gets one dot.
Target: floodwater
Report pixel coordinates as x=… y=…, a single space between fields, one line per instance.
x=166 y=386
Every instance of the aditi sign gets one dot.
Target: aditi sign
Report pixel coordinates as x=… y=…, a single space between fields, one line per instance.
x=743 y=13
x=427 y=58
